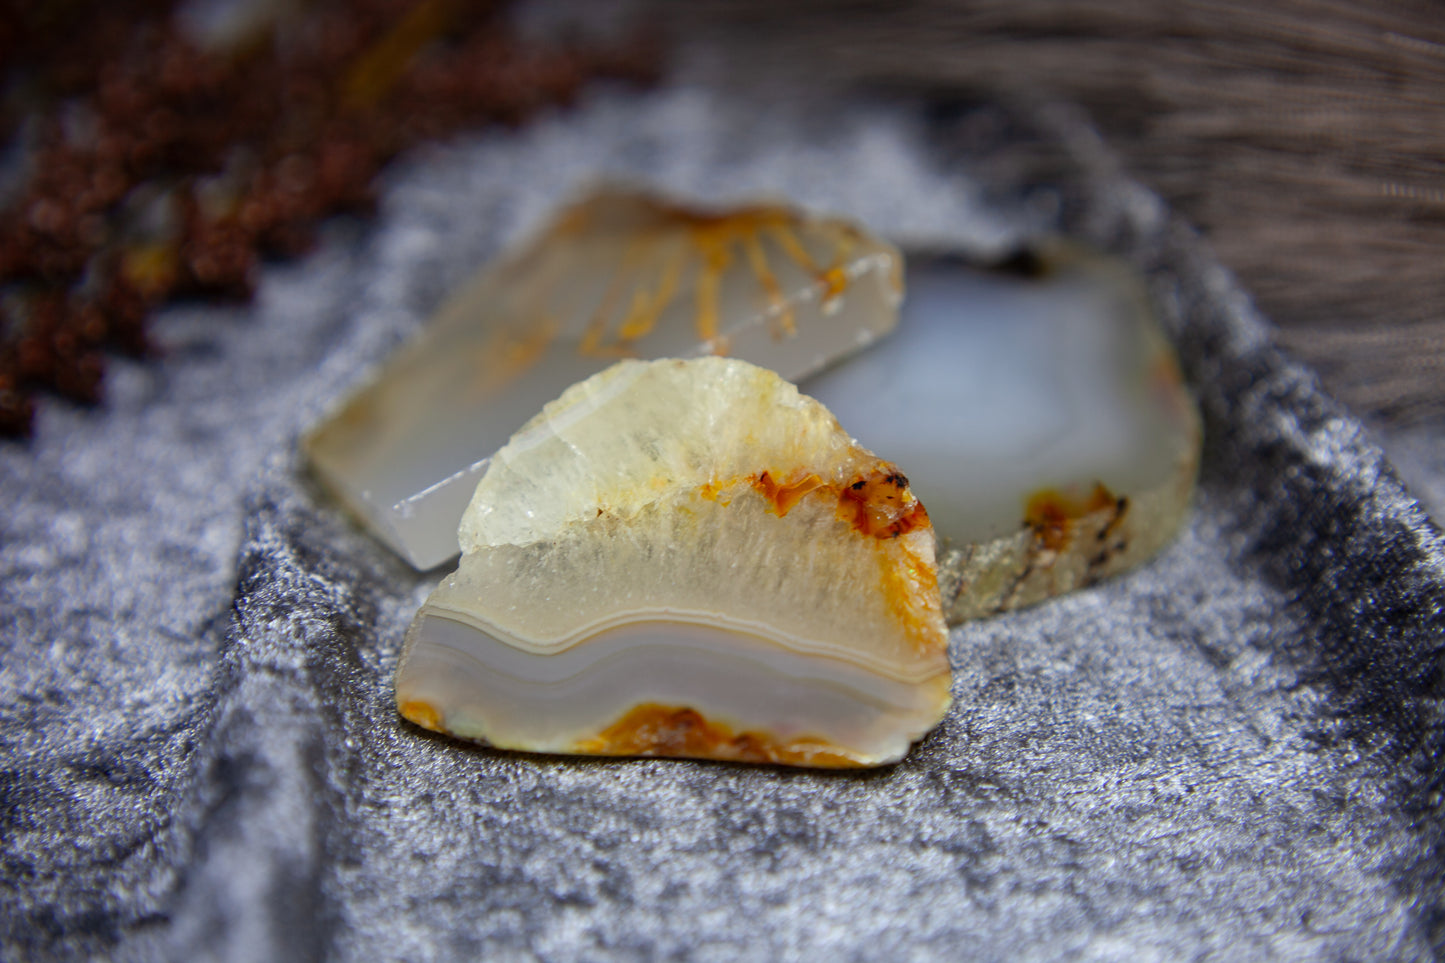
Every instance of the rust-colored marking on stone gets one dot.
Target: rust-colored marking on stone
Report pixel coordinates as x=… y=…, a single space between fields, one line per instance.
x=510 y=353
x=421 y=713
x=785 y=494
x=1112 y=540
x=651 y=729
x=784 y=325
x=911 y=591
x=878 y=503
x=707 y=244
x=834 y=282
x=1054 y=515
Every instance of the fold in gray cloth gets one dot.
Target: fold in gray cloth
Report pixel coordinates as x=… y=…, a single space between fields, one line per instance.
x=1233 y=752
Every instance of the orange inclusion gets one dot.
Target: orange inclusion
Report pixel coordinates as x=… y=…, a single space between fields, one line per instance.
x=911 y=591
x=651 y=729
x=759 y=262
x=784 y=495
x=711 y=237
x=422 y=713
x=639 y=318
x=596 y=329
x=709 y=281
x=878 y=503
x=645 y=310
x=792 y=247
x=834 y=279
x=509 y=353
x=714 y=234
x=1053 y=514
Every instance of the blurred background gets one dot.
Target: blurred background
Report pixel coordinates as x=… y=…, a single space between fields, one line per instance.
x=156 y=149
x=1305 y=138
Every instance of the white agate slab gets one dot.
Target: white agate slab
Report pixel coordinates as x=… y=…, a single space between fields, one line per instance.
x=1042 y=420
x=620 y=274
x=686 y=558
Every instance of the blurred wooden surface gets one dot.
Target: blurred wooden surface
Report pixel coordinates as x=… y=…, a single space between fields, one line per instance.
x=1306 y=138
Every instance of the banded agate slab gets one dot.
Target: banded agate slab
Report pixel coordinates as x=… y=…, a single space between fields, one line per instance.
x=686 y=558
x=619 y=274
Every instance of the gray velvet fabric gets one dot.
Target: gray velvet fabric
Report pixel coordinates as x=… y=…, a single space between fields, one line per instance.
x=1232 y=753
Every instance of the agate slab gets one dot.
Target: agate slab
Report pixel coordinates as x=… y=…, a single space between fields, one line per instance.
x=686 y=558
x=620 y=274
x=1042 y=417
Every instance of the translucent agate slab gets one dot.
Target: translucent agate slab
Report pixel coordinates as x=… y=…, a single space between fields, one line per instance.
x=618 y=275
x=686 y=558
x=1042 y=418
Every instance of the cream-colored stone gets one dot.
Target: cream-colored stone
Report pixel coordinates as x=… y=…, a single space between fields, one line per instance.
x=686 y=558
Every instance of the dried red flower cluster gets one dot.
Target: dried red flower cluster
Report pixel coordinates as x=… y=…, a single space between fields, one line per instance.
x=161 y=168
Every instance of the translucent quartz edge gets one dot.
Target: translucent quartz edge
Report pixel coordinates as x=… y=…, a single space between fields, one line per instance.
x=761 y=634
x=812 y=711
x=399 y=526
x=1027 y=566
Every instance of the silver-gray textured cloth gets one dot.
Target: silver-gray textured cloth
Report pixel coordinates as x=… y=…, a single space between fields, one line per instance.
x=1232 y=753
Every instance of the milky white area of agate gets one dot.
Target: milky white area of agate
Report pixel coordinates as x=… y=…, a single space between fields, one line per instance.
x=686 y=558
x=1043 y=422
x=620 y=274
